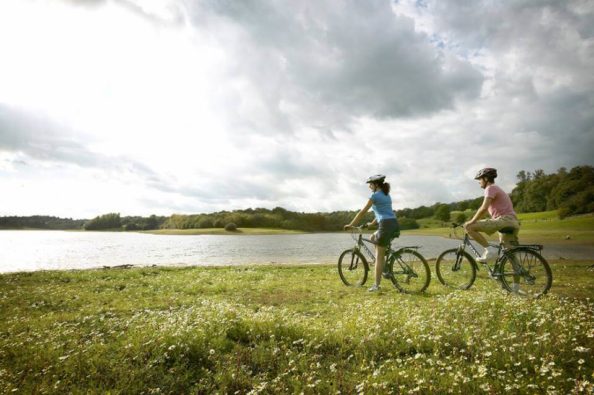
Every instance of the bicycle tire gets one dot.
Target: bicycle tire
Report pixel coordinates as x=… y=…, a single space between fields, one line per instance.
x=410 y=271
x=535 y=277
x=460 y=277
x=352 y=268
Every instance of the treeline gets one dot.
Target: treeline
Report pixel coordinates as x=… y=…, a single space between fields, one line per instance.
x=264 y=218
x=113 y=221
x=40 y=222
x=439 y=210
x=569 y=192
x=275 y=218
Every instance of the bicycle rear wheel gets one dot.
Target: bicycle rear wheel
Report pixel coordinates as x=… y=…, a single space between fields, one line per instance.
x=455 y=269
x=410 y=271
x=526 y=273
x=352 y=268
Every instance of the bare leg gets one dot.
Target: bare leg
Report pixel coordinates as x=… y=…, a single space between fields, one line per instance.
x=477 y=236
x=380 y=253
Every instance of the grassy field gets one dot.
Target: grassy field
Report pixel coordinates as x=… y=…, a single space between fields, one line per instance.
x=543 y=227
x=288 y=329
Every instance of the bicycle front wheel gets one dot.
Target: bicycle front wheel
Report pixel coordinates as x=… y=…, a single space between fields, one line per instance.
x=410 y=271
x=352 y=268
x=526 y=273
x=455 y=269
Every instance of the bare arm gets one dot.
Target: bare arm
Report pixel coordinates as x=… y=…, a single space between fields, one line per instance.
x=481 y=211
x=359 y=215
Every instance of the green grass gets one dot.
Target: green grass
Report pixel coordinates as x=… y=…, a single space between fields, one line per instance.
x=288 y=329
x=430 y=223
x=544 y=227
x=540 y=216
x=220 y=231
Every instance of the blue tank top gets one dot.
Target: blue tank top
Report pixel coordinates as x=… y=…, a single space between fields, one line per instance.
x=382 y=206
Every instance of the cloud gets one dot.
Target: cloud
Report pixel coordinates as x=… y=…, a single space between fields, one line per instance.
x=209 y=105
x=537 y=58
x=40 y=138
x=43 y=139
x=327 y=63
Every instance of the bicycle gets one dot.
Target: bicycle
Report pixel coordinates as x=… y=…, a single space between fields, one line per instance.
x=521 y=269
x=405 y=267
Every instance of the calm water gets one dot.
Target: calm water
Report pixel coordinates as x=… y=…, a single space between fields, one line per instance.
x=38 y=250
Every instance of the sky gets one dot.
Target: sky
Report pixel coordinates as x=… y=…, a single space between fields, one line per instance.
x=147 y=107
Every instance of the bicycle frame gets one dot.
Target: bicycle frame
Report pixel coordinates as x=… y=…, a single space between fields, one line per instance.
x=502 y=252
x=406 y=268
x=360 y=242
x=361 y=245
x=466 y=242
x=520 y=268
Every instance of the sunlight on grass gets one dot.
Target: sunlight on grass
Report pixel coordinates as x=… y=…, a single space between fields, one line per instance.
x=543 y=227
x=287 y=329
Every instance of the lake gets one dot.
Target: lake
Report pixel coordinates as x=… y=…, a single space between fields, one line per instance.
x=57 y=250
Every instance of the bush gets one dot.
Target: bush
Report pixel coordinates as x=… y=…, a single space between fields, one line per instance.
x=408 y=223
x=460 y=218
x=231 y=227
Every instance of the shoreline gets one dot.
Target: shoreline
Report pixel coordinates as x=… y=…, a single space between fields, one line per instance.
x=560 y=260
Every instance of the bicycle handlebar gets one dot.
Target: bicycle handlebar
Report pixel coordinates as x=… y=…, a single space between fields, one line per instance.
x=455 y=226
x=358 y=228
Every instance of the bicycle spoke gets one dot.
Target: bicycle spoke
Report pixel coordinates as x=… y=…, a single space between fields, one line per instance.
x=526 y=273
x=455 y=269
x=410 y=271
x=352 y=268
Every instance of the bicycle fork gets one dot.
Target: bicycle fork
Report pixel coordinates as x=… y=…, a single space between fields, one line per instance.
x=354 y=261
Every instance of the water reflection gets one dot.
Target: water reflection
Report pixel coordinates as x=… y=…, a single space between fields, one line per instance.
x=36 y=250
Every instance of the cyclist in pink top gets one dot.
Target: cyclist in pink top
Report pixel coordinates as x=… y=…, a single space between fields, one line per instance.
x=501 y=209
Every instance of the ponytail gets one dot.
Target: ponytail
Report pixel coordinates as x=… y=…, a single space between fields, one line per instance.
x=385 y=187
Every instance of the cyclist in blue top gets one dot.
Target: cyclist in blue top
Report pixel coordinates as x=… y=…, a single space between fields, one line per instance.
x=381 y=203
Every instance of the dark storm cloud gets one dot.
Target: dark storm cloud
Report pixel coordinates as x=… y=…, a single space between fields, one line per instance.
x=543 y=78
x=331 y=61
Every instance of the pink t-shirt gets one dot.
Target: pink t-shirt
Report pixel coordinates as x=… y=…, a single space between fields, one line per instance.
x=501 y=203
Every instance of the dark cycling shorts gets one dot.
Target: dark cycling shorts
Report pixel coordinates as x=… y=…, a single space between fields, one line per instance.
x=388 y=229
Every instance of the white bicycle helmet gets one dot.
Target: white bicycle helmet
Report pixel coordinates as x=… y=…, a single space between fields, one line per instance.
x=378 y=178
x=486 y=172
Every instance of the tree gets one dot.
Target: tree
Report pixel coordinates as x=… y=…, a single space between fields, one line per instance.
x=151 y=222
x=442 y=212
x=476 y=203
x=522 y=176
x=566 y=191
x=206 y=223
x=105 y=221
